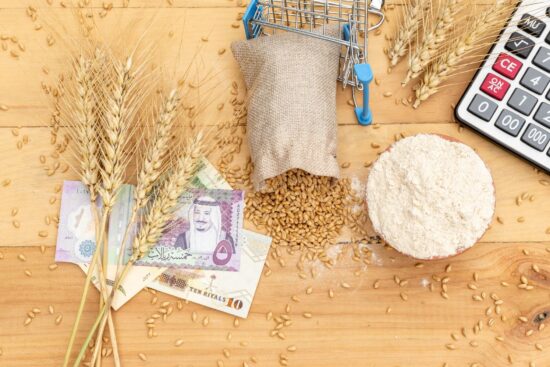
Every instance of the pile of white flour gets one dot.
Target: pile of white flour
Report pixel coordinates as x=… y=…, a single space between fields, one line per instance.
x=429 y=197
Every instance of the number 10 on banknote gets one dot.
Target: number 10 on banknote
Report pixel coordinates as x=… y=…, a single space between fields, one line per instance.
x=204 y=234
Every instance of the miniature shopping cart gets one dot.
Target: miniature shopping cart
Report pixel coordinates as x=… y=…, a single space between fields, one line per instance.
x=311 y=18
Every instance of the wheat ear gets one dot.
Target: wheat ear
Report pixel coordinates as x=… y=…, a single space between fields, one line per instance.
x=408 y=29
x=156 y=150
x=166 y=200
x=444 y=66
x=84 y=125
x=83 y=129
x=116 y=132
x=433 y=38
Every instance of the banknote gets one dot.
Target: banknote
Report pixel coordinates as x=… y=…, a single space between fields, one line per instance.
x=204 y=234
x=230 y=292
x=138 y=277
x=77 y=223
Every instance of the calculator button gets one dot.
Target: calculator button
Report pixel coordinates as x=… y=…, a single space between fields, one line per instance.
x=482 y=107
x=535 y=81
x=510 y=122
x=536 y=137
x=495 y=87
x=522 y=101
x=543 y=115
x=547 y=39
x=542 y=59
x=507 y=66
x=520 y=45
x=532 y=25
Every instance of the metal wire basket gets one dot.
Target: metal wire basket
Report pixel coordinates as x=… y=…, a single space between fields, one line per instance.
x=311 y=18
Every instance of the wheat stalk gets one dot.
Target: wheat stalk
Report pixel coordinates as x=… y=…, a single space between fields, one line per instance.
x=83 y=127
x=480 y=26
x=155 y=221
x=408 y=28
x=433 y=38
x=158 y=215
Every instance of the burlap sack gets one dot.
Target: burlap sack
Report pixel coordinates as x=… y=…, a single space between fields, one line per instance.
x=291 y=82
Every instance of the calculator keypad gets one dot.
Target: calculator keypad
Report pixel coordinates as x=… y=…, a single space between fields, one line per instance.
x=509 y=99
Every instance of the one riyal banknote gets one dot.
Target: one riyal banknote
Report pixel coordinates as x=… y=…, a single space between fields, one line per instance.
x=230 y=292
x=75 y=204
x=204 y=234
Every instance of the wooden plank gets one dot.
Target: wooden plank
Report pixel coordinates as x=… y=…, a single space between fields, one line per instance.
x=41 y=4
x=31 y=189
x=22 y=78
x=352 y=329
x=98 y=4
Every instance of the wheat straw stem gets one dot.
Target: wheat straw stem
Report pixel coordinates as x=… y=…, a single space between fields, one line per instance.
x=85 y=291
x=450 y=60
x=103 y=300
x=436 y=36
x=408 y=28
x=89 y=336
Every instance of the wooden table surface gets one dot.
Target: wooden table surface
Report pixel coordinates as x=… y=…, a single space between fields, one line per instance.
x=360 y=326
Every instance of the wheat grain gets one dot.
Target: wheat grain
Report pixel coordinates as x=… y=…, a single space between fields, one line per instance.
x=408 y=28
x=433 y=38
x=481 y=26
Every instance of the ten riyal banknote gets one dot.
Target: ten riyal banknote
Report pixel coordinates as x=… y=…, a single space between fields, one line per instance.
x=230 y=292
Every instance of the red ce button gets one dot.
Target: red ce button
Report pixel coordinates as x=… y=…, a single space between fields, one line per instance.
x=507 y=66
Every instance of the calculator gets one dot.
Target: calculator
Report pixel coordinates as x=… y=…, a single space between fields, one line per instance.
x=508 y=100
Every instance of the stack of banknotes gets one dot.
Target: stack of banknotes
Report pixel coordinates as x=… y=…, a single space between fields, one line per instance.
x=204 y=256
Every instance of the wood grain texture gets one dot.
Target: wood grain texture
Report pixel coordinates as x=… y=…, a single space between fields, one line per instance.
x=353 y=329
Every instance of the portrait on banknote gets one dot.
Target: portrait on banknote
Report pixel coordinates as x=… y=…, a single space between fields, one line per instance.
x=204 y=233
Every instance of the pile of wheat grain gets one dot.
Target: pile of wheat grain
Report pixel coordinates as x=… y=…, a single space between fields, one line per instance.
x=302 y=212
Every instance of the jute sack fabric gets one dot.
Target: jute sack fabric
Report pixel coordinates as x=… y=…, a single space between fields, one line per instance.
x=291 y=82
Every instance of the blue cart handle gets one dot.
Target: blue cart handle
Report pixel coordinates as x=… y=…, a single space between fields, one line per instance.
x=365 y=76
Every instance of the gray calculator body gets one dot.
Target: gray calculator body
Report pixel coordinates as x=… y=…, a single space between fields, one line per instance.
x=508 y=100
